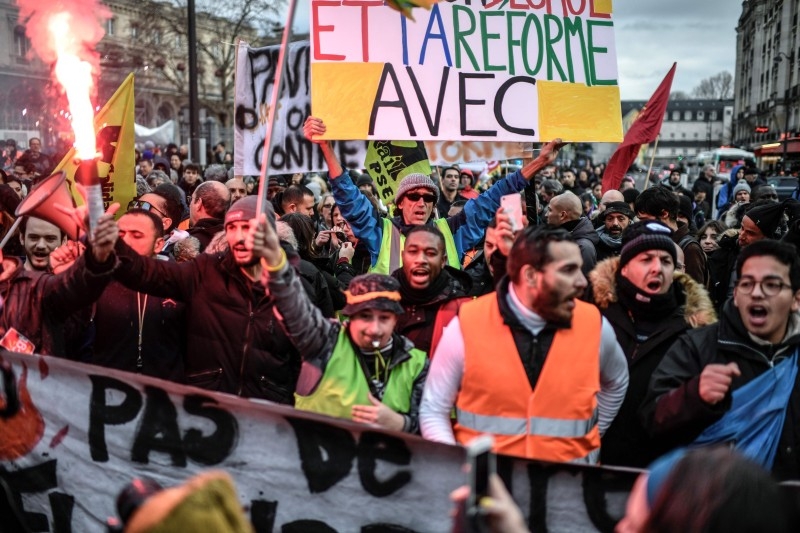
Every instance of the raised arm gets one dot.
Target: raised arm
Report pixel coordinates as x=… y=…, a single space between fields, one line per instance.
x=356 y=208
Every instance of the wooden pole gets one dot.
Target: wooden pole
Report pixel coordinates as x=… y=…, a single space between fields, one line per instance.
x=277 y=85
x=650 y=168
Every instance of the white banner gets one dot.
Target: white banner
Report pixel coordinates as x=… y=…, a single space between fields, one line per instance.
x=161 y=135
x=85 y=432
x=291 y=152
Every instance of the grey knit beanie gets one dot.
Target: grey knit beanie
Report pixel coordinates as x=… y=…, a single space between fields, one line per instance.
x=415 y=181
x=741 y=186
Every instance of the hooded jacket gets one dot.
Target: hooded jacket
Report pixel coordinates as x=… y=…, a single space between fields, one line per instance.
x=627 y=442
x=586 y=238
x=673 y=407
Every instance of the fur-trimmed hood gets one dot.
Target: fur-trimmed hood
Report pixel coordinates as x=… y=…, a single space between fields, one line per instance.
x=698 y=309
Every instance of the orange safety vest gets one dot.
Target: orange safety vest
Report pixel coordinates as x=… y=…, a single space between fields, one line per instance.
x=557 y=421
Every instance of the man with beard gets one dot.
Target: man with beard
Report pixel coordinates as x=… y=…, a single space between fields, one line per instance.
x=234 y=343
x=39 y=238
x=649 y=304
x=431 y=291
x=616 y=217
x=530 y=364
x=136 y=332
x=699 y=390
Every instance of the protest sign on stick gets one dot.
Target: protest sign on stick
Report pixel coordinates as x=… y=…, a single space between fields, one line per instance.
x=494 y=70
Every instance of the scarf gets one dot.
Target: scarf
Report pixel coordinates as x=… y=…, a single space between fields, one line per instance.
x=653 y=307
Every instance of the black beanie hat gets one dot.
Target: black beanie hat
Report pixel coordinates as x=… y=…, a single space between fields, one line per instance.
x=643 y=236
x=767 y=217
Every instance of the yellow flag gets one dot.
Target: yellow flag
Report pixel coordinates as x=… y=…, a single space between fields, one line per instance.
x=113 y=126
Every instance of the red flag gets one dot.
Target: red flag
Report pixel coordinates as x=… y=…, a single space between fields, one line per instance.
x=645 y=129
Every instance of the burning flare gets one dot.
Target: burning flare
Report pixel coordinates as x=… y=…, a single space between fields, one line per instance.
x=75 y=75
x=66 y=32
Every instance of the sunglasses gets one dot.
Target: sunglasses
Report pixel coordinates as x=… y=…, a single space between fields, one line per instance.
x=415 y=196
x=147 y=206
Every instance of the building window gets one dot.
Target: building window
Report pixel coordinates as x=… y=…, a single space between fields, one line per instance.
x=666 y=116
x=687 y=115
x=701 y=115
x=135 y=31
x=696 y=135
x=111 y=26
x=672 y=135
x=683 y=135
x=676 y=115
x=21 y=42
x=712 y=115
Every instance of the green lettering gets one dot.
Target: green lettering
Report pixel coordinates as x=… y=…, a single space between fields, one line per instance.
x=574 y=28
x=532 y=19
x=461 y=36
x=511 y=41
x=550 y=40
x=590 y=24
x=486 y=37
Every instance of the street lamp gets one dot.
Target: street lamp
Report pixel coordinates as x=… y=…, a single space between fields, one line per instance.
x=790 y=62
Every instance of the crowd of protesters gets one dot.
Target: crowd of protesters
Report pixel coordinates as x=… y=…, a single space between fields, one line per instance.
x=606 y=327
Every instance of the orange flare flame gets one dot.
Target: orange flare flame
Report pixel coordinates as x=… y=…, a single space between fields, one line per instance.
x=75 y=75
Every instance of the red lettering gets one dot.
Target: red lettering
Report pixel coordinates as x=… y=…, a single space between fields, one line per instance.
x=521 y=5
x=571 y=3
x=317 y=28
x=365 y=5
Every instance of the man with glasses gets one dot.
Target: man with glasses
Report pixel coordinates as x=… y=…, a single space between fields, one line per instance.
x=415 y=199
x=696 y=385
x=165 y=202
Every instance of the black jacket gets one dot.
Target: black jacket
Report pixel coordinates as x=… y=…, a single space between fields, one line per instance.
x=673 y=407
x=626 y=442
x=116 y=333
x=205 y=229
x=234 y=342
x=417 y=323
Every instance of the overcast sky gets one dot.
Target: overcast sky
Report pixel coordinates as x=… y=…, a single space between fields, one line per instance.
x=652 y=34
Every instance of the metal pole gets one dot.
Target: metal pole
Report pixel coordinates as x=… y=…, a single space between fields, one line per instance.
x=194 y=105
x=789 y=61
x=785 y=127
x=277 y=84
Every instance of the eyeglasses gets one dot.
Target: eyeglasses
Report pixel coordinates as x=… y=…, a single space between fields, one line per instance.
x=415 y=196
x=147 y=206
x=769 y=286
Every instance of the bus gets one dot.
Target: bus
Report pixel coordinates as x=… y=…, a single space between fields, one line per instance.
x=723 y=159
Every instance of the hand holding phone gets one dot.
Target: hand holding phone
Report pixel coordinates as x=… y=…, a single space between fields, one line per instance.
x=481 y=462
x=512 y=205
